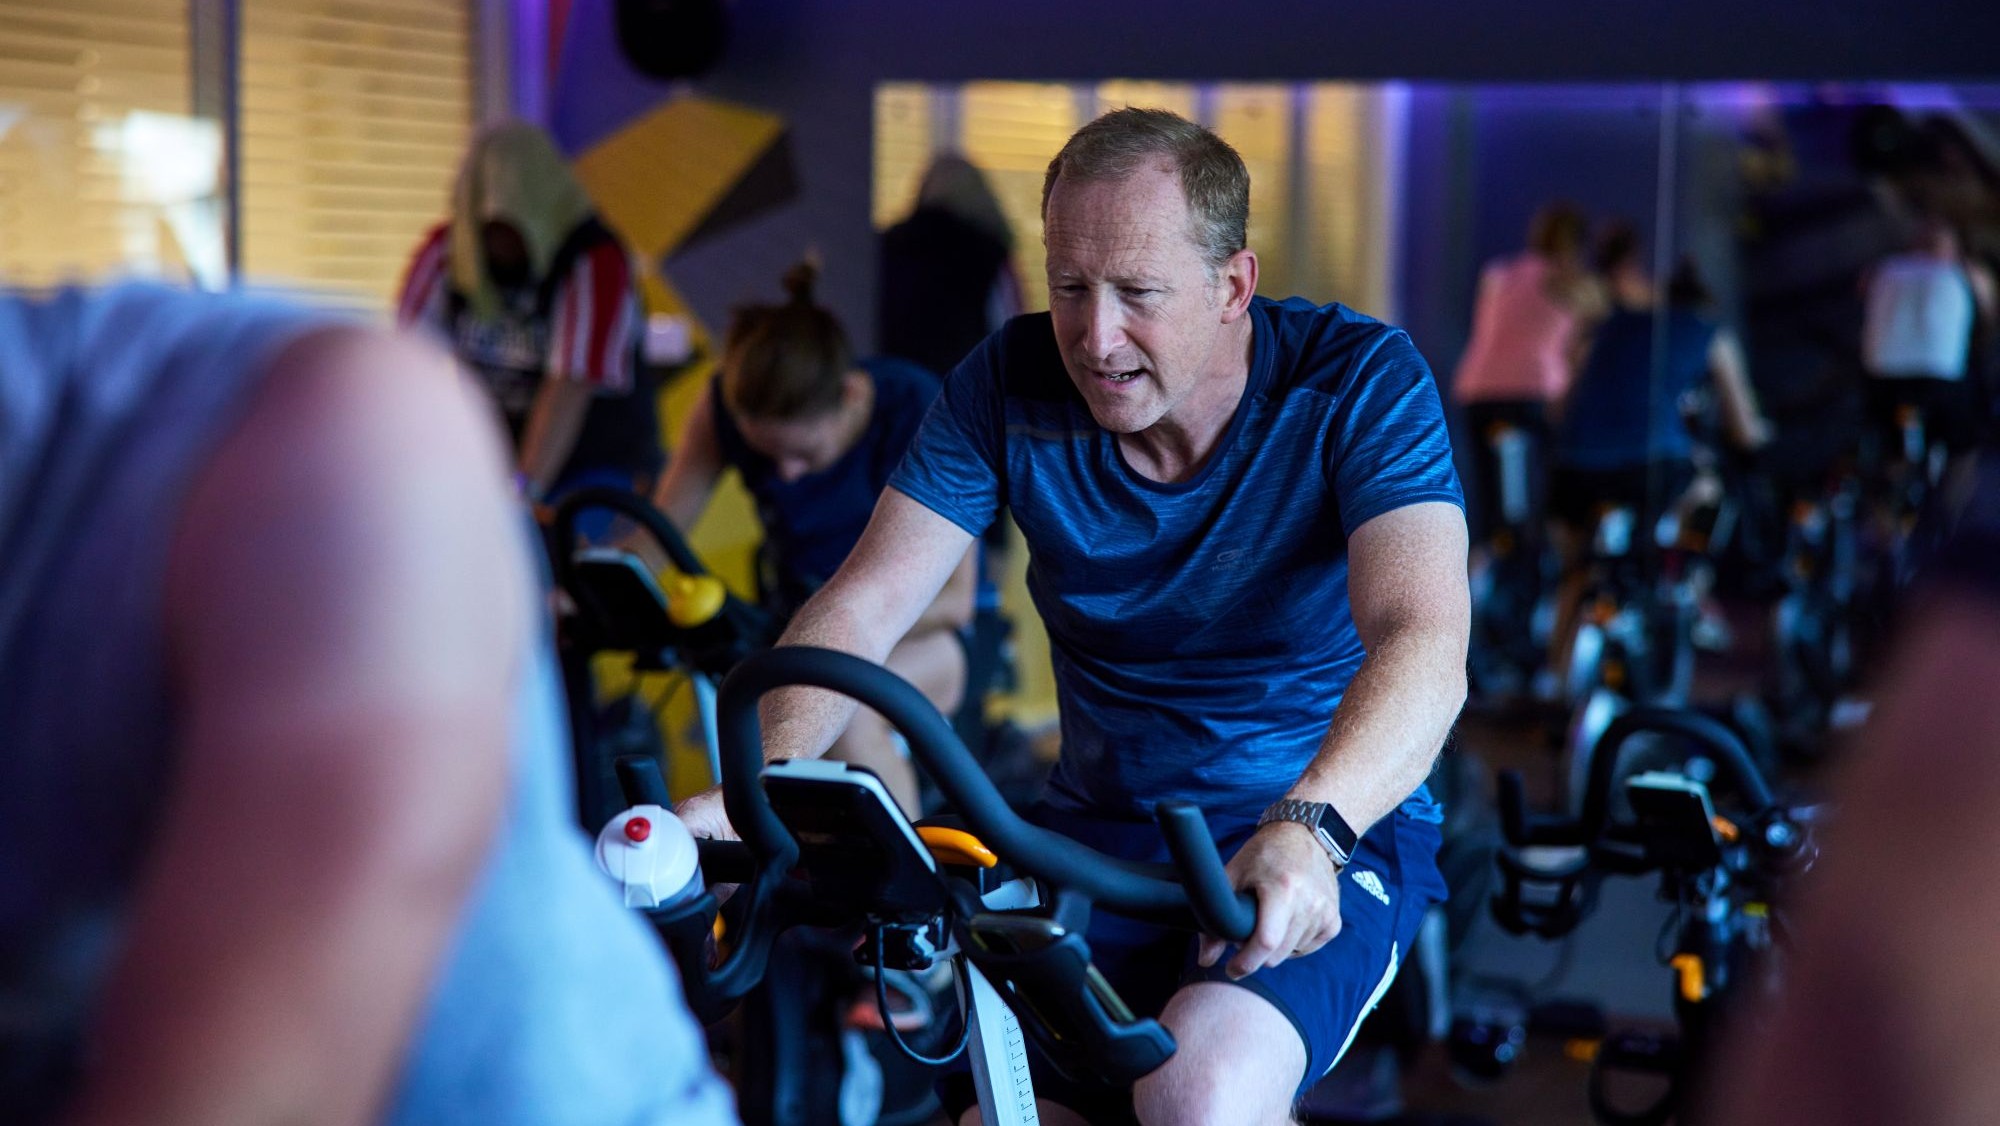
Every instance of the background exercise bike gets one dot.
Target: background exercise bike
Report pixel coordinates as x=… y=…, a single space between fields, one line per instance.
x=1725 y=876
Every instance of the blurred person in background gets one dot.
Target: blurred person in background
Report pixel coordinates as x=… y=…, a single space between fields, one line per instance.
x=945 y=280
x=285 y=830
x=535 y=295
x=814 y=432
x=1530 y=323
x=1923 y=310
x=946 y=276
x=1621 y=439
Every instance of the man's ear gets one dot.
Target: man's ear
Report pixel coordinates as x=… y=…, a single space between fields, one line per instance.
x=1239 y=281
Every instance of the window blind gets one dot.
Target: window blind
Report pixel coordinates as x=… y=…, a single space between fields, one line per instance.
x=95 y=139
x=355 y=115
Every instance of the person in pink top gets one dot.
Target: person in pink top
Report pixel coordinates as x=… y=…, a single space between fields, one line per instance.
x=1528 y=325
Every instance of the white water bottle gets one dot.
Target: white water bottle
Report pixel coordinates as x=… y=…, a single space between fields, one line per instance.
x=652 y=856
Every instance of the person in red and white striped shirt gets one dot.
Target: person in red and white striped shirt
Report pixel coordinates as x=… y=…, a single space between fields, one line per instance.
x=539 y=298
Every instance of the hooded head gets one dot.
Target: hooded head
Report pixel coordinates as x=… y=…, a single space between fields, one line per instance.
x=515 y=202
x=955 y=185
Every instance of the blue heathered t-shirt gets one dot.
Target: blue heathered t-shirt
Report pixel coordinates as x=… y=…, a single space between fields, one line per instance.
x=814 y=522
x=1621 y=413
x=1199 y=631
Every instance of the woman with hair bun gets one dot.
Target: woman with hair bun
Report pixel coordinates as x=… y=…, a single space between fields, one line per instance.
x=814 y=433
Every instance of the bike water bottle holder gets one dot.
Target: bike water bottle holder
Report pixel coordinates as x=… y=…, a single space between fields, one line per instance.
x=689 y=932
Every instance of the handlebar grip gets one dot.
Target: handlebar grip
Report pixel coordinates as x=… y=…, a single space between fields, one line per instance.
x=725 y=862
x=1220 y=909
x=640 y=780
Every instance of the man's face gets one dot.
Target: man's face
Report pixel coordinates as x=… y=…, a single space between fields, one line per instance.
x=1138 y=312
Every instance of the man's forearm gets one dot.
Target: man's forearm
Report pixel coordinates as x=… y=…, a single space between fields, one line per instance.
x=804 y=722
x=903 y=560
x=1389 y=727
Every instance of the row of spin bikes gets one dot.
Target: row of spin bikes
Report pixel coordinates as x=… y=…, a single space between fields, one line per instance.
x=998 y=907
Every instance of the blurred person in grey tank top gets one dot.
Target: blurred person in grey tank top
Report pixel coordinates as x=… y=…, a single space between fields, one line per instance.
x=284 y=830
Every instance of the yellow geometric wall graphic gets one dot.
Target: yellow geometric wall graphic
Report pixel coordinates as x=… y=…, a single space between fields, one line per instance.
x=659 y=177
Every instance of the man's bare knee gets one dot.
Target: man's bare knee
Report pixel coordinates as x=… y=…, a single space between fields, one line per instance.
x=934 y=661
x=1239 y=1060
x=1202 y=1096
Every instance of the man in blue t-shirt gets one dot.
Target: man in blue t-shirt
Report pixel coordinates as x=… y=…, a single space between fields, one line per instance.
x=1249 y=547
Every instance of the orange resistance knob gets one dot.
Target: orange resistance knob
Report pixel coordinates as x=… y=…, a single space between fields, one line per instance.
x=1694 y=987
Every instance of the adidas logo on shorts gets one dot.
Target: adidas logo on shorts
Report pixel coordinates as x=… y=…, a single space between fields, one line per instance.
x=1372 y=884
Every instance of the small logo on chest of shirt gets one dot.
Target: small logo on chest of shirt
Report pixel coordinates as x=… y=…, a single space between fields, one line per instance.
x=1230 y=559
x=1372 y=884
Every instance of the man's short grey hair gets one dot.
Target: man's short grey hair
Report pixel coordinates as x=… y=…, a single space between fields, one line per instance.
x=1213 y=178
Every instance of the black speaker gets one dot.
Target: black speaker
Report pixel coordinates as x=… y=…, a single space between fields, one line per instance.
x=1883 y=141
x=672 y=38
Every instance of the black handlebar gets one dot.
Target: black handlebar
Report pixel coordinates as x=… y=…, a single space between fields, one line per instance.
x=640 y=779
x=1714 y=738
x=1550 y=895
x=1203 y=898
x=625 y=503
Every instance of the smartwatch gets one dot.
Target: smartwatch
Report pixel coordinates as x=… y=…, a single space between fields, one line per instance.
x=1328 y=827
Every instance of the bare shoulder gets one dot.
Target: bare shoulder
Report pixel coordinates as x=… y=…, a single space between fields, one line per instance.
x=353 y=532
x=346 y=391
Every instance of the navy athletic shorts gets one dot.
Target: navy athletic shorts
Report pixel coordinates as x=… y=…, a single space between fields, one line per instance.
x=1384 y=894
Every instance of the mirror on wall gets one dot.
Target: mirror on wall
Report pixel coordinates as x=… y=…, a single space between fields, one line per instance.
x=1647 y=302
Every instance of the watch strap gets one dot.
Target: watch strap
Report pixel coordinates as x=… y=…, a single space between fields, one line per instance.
x=1328 y=827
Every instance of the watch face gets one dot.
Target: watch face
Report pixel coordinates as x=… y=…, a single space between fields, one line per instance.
x=1335 y=827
